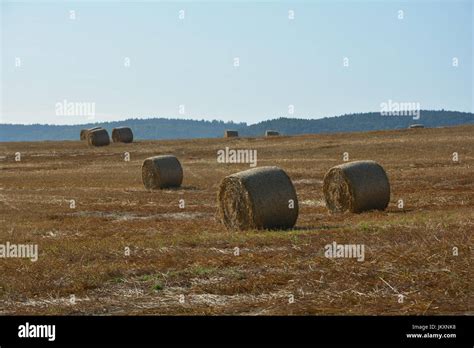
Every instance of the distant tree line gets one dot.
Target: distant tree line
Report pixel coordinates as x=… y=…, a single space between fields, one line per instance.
x=165 y=128
x=358 y=122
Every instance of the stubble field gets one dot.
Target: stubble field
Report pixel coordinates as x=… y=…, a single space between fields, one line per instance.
x=182 y=261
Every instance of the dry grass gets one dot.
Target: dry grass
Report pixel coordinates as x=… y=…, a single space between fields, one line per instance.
x=176 y=252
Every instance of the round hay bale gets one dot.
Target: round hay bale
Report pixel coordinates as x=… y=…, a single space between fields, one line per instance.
x=122 y=135
x=271 y=133
x=259 y=198
x=418 y=125
x=85 y=131
x=231 y=134
x=356 y=186
x=98 y=137
x=83 y=134
x=161 y=172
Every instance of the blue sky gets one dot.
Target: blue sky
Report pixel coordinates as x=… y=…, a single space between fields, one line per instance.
x=190 y=61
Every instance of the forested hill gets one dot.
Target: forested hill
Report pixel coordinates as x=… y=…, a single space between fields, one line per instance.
x=151 y=128
x=359 y=122
x=163 y=128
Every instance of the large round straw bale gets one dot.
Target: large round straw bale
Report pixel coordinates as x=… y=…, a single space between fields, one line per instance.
x=356 y=186
x=231 y=134
x=122 y=135
x=85 y=131
x=161 y=172
x=83 y=134
x=270 y=133
x=259 y=198
x=98 y=137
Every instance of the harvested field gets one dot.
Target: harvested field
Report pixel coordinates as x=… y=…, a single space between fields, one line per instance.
x=120 y=249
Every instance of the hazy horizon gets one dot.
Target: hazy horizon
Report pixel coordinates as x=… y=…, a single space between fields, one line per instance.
x=297 y=60
x=209 y=120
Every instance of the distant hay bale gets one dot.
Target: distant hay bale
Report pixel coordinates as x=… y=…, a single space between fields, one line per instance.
x=259 y=198
x=122 y=135
x=419 y=125
x=162 y=172
x=98 y=137
x=85 y=131
x=231 y=134
x=356 y=186
x=271 y=133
